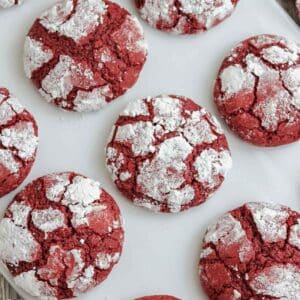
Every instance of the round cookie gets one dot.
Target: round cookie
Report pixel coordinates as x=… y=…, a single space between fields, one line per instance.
x=298 y=7
x=61 y=236
x=252 y=252
x=18 y=142
x=158 y=298
x=185 y=16
x=167 y=153
x=83 y=54
x=258 y=90
x=10 y=3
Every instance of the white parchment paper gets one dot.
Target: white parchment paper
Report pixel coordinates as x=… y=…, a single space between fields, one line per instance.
x=161 y=251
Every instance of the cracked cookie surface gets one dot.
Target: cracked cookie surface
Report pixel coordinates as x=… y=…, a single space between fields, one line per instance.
x=258 y=90
x=252 y=252
x=167 y=153
x=157 y=298
x=10 y=3
x=185 y=16
x=18 y=142
x=61 y=236
x=83 y=54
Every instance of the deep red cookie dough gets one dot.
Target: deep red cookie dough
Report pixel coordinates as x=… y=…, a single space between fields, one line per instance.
x=185 y=16
x=252 y=252
x=18 y=142
x=82 y=54
x=61 y=236
x=258 y=90
x=167 y=153
x=10 y=3
x=158 y=298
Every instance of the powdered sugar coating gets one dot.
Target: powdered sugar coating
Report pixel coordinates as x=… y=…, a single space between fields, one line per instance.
x=136 y=108
x=9 y=107
x=277 y=55
x=85 y=18
x=210 y=164
x=94 y=100
x=185 y=16
x=48 y=220
x=61 y=236
x=17 y=243
x=229 y=233
x=234 y=79
x=83 y=54
x=10 y=3
x=252 y=253
x=30 y=284
x=278 y=281
x=104 y=260
x=18 y=142
x=258 y=90
x=8 y=161
x=22 y=138
x=140 y=134
x=167 y=153
x=35 y=55
x=270 y=220
x=56 y=185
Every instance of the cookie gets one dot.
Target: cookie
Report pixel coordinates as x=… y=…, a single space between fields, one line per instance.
x=298 y=7
x=83 y=54
x=253 y=252
x=158 y=298
x=18 y=142
x=258 y=90
x=61 y=236
x=167 y=153
x=10 y=3
x=185 y=16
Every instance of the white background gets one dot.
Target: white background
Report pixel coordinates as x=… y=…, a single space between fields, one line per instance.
x=161 y=251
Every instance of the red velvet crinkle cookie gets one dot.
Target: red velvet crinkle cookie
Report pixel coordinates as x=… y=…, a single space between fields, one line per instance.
x=253 y=252
x=82 y=54
x=185 y=16
x=258 y=90
x=158 y=298
x=167 y=153
x=18 y=142
x=298 y=7
x=61 y=236
x=10 y=3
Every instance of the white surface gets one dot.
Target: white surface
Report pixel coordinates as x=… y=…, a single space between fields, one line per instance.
x=161 y=251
